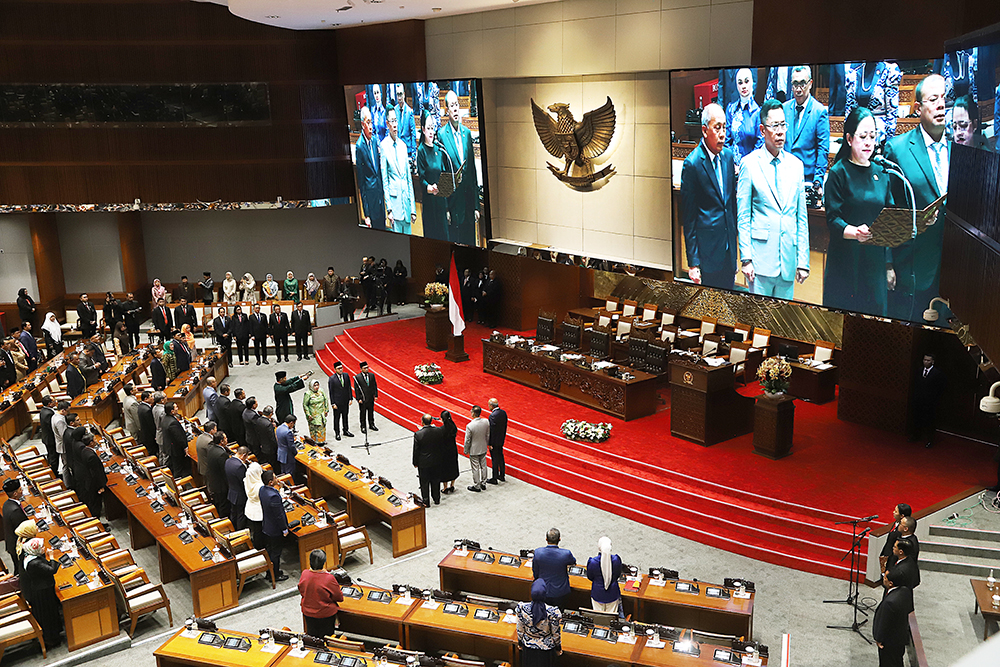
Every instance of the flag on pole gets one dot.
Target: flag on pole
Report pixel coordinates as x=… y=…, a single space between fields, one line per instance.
x=455 y=300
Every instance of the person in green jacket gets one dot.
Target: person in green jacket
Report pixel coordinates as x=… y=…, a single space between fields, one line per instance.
x=283 y=388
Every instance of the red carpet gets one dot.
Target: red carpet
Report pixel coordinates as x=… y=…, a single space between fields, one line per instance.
x=725 y=495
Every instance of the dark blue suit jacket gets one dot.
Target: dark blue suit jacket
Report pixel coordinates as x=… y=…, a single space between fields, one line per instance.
x=550 y=563
x=236 y=470
x=708 y=218
x=275 y=521
x=809 y=140
x=498 y=427
x=370 y=180
x=728 y=92
x=28 y=341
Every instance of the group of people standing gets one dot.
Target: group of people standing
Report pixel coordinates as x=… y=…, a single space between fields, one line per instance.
x=240 y=328
x=481 y=294
x=900 y=575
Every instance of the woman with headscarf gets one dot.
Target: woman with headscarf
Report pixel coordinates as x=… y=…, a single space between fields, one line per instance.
x=271 y=288
x=121 y=340
x=188 y=337
x=229 y=286
x=448 y=459
x=249 y=287
x=254 y=512
x=158 y=291
x=538 y=629
x=169 y=361
x=312 y=287
x=52 y=333
x=290 y=292
x=26 y=306
x=317 y=407
x=603 y=570
x=38 y=586
x=25 y=531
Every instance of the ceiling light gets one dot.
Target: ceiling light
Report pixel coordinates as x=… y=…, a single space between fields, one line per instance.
x=272 y=16
x=435 y=9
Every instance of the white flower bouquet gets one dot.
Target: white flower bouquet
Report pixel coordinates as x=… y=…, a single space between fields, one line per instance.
x=428 y=374
x=586 y=431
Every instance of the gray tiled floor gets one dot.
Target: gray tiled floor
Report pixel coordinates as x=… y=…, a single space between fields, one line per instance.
x=516 y=515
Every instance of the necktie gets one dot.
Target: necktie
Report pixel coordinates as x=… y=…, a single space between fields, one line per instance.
x=717 y=162
x=459 y=148
x=940 y=166
x=926 y=371
x=777 y=185
x=798 y=112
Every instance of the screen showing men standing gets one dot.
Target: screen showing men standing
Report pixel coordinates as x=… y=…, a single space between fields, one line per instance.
x=823 y=184
x=419 y=159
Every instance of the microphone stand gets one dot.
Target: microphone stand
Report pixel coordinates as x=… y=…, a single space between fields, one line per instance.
x=853 y=593
x=892 y=168
x=364 y=429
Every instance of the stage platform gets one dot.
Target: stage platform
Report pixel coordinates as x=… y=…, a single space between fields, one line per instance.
x=725 y=496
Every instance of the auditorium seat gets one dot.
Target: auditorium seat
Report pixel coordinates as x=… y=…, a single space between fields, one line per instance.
x=17 y=625
x=611 y=304
x=743 y=329
x=623 y=329
x=668 y=333
x=667 y=317
x=761 y=339
x=137 y=597
x=707 y=326
x=630 y=307
x=737 y=357
x=823 y=352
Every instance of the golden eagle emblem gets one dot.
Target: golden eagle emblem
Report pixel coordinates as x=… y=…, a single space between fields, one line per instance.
x=576 y=142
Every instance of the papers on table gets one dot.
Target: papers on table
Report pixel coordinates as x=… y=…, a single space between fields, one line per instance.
x=714 y=361
x=431 y=604
x=685 y=333
x=824 y=366
x=601 y=365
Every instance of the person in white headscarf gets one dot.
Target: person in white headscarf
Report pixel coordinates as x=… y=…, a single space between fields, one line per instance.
x=229 y=286
x=604 y=570
x=271 y=288
x=254 y=513
x=52 y=334
x=248 y=285
x=38 y=586
x=312 y=287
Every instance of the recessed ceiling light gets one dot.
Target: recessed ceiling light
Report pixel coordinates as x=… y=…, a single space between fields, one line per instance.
x=435 y=9
x=272 y=16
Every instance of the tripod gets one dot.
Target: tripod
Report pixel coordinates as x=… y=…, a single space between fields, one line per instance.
x=853 y=594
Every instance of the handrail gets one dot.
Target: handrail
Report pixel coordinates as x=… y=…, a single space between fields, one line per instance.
x=918 y=643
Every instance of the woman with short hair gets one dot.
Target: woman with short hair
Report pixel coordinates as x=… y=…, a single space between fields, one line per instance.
x=320 y=594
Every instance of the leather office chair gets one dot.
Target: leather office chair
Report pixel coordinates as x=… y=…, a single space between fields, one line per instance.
x=249 y=561
x=761 y=339
x=17 y=625
x=743 y=329
x=630 y=307
x=667 y=317
x=137 y=597
x=545 y=330
x=623 y=329
x=637 y=350
x=656 y=357
x=738 y=353
x=649 y=312
x=668 y=333
x=823 y=352
x=611 y=304
x=351 y=538
x=604 y=319
x=711 y=345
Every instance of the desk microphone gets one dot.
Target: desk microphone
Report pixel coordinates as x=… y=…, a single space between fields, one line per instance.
x=884 y=163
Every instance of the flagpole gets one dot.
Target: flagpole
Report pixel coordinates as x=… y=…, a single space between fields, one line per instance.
x=456 y=342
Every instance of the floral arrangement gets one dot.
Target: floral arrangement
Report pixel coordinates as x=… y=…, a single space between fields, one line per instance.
x=435 y=293
x=774 y=374
x=585 y=431
x=429 y=373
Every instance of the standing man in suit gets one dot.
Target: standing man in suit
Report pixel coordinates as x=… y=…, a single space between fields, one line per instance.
x=904 y=530
x=95 y=480
x=891 y=628
x=222 y=327
x=235 y=420
x=76 y=382
x=206 y=286
x=279 y=328
x=29 y=345
x=927 y=392
x=211 y=396
x=96 y=346
x=157 y=372
x=285 y=436
x=477 y=441
x=772 y=220
x=708 y=205
x=217 y=455
x=201 y=443
x=463 y=204
x=498 y=434
x=182 y=353
x=905 y=571
x=365 y=393
x=369 y=173
x=259 y=328
x=87 y=315
x=130 y=409
x=13 y=516
x=397 y=184
x=301 y=327
x=241 y=334
x=249 y=416
x=222 y=402
x=131 y=311
x=236 y=471
x=184 y=290
x=808 y=136
x=275 y=521
x=339 y=387
x=407 y=123
x=175 y=442
x=45 y=415
x=185 y=314
x=551 y=563
x=267 y=439
x=163 y=319
x=147 y=425
x=923 y=155
x=283 y=388
x=427 y=445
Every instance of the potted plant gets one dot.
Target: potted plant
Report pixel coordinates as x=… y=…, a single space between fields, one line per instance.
x=774 y=374
x=429 y=373
x=435 y=294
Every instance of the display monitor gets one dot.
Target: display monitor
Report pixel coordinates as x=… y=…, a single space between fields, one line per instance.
x=790 y=182
x=972 y=94
x=419 y=155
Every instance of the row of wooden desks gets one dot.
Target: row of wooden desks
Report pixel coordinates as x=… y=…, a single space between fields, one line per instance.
x=186 y=389
x=677 y=603
x=368 y=501
x=99 y=403
x=15 y=417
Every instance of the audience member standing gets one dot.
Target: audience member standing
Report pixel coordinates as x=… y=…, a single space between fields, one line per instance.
x=241 y=334
x=26 y=306
x=339 y=387
x=86 y=317
x=550 y=563
x=13 y=516
x=301 y=328
x=538 y=628
x=182 y=352
x=603 y=570
x=249 y=417
x=112 y=312
x=163 y=319
x=216 y=456
x=448 y=459
x=260 y=329
x=248 y=288
x=121 y=340
x=891 y=627
x=279 y=329
x=236 y=472
x=275 y=521
x=229 y=286
x=316 y=408
x=312 y=288
x=930 y=383
x=211 y=397
x=399 y=280
x=330 y=286
x=38 y=585
x=235 y=421
x=59 y=426
x=222 y=402
x=290 y=289
x=175 y=442
x=52 y=333
x=147 y=424
x=285 y=437
x=320 y=594
x=157 y=371
x=222 y=328
x=130 y=409
x=45 y=415
x=271 y=289
x=426 y=459
x=365 y=393
x=267 y=439
x=158 y=291
x=132 y=311
x=184 y=291
x=477 y=438
x=253 y=512
x=76 y=383
x=185 y=313
x=93 y=480
x=498 y=435
x=207 y=287
x=29 y=345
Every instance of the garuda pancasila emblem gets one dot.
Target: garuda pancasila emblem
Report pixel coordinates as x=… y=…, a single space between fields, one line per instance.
x=577 y=143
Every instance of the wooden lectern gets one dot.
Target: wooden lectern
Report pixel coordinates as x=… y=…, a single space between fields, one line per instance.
x=704 y=404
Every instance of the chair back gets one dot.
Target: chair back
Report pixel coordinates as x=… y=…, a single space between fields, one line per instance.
x=545 y=331
x=707 y=326
x=743 y=330
x=738 y=352
x=656 y=356
x=611 y=304
x=624 y=328
x=649 y=312
x=667 y=317
x=824 y=351
x=710 y=347
x=600 y=343
x=603 y=319
x=630 y=308
x=669 y=333
x=571 y=335
x=761 y=338
x=637 y=346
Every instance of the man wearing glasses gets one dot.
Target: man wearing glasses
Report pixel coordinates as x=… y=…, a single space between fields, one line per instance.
x=808 y=136
x=771 y=212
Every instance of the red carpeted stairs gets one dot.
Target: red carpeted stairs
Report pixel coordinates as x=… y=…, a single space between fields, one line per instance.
x=723 y=496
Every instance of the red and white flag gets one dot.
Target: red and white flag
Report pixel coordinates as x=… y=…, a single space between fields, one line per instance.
x=455 y=300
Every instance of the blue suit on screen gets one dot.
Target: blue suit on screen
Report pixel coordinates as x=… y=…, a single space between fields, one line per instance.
x=743 y=128
x=708 y=216
x=808 y=137
x=369 y=174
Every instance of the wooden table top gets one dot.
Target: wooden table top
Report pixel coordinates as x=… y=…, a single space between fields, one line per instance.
x=617 y=651
x=39 y=377
x=638 y=376
x=427 y=615
x=306 y=657
x=984 y=596
x=669 y=594
x=365 y=606
x=96 y=392
x=648 y=656
x=184 y=646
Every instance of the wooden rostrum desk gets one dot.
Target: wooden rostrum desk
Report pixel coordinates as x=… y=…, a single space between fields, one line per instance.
x=626 y=400
x=704 y=404
x=328 y=478
x=816 y=385
x=644 y=600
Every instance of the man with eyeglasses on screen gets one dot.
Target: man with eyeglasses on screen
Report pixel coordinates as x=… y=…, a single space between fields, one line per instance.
x=369 y=173
x=396 y=182
x=923 y=155
x=808 y=136
x=772 y=219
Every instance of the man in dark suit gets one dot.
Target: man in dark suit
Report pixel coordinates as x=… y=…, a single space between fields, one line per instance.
x=469 y=295
x=87 y=315
x=96 y=346
x=275 y=521
x=550 y=563
x=365 y=393
x=131 y=311
x=235 y=420
x=95 y=480
x=175 y=442
x=339 y=387
x=267 y=438
x=236 y=471
x=369 y=174
x=216 y=456
x=301 y=327
x=184 y=291
x=157 y=373
x=498 y=434
x=905 y=571
x=13 y=516
x=891 y=628
x=427 y=444
x=490 y=300
x=463 y=204
x=163 y=319
x=903 y=525
x=249 y=431
x=279 y=328
x=259 y=330
x=90 y=367
x=147 y=425
x=76 y=383
x=185 y=314
x=708 y=205
x=222 y=328
x=923 y=155
x=29 y=345
x=181 y=353
x=928 y=387
x=45 y=414
x=8 y=373
x=222 y=401
x=808 y=135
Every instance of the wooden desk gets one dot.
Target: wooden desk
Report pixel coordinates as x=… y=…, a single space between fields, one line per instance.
x=587 y=651
x=984 y=603
x=15 y=418
x=306 y=657
x=813 y=384
x=100 y=406
x=626 y=400
x=364 y=616
x=216 y=364
x=704 y=404
x=646 y=656
x=183 y=650
x=429 y=629
x=666 y=606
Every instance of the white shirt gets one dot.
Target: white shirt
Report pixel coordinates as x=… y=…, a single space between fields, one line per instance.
x=940 y=170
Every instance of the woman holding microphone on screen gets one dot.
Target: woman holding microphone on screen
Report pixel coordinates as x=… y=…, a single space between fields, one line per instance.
x=856 y=276
x=431 y=161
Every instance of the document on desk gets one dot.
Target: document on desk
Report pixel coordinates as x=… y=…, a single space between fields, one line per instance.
x=431 y=604
x=658 y=582
x=824 y=366
x=404 y=600
x=714 y=362
x=190 y=634
x=271 y=648
x=626 y=639
x=459 y=553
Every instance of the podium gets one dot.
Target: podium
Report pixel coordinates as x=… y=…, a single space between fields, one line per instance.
x=438 y=328
x=774 y=426
x=704 y=404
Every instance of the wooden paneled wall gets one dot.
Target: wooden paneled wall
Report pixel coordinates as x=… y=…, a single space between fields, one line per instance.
x=48 y=263
x=383 y=53
x=134 y=256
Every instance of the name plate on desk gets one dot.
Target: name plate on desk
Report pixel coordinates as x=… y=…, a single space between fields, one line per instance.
x=605 y=634
x=716 y=592
x=658 y=582
x=430 y=604
x=687 y=587
x=190 y=634
x=487 y=615
x=404 y=600
x=456 y=609
x=725 y=655
x=380 y=596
